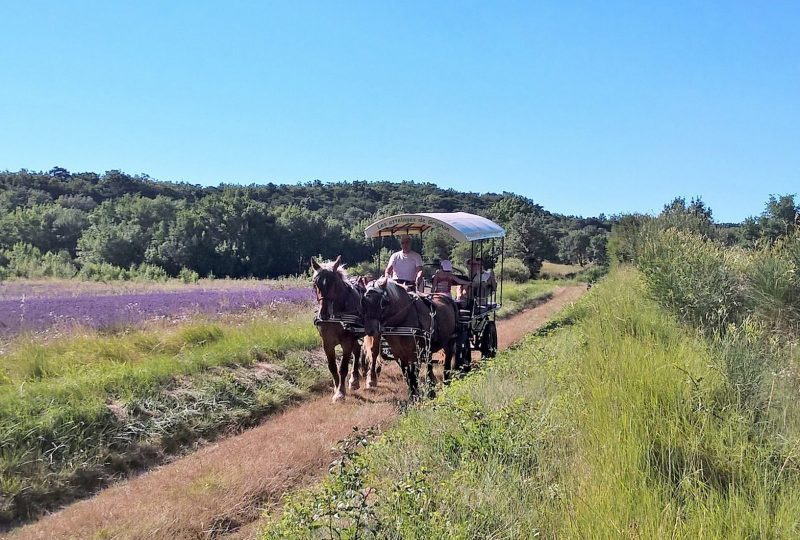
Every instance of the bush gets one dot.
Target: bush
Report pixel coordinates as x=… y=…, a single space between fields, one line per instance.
x=773 y=285
x=25 y=260
x=188 y=276
x=147 y=272
x=102 y=272
x=515 y=270
x=694 y=277
x=592 y=274
x=364 y=268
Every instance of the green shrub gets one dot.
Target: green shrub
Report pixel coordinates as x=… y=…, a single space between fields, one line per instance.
x=515 y=270
x=694 y=277
x=103 y=272
x=25 y=260
x=592 y=274
x=773 y=285
x=364 y=268
x=188 y=276
x=147 y=272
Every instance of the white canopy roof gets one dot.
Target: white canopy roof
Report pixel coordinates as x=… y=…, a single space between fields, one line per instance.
x=460 y=225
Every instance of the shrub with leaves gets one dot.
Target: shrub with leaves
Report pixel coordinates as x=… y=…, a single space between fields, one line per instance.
x=694 y=277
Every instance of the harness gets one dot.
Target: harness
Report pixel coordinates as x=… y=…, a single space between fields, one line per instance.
x=350 y=322
x=417 y=332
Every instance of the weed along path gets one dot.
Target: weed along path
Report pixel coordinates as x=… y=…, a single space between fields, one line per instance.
x=221 y=490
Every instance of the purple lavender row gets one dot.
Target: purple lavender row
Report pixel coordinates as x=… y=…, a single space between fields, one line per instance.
x=109 y=311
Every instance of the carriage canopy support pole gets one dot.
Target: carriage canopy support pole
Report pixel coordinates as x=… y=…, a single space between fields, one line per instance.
x=502 y=260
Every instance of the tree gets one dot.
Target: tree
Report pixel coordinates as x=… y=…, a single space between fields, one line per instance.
x=696 y=217
x=780 y=217
x=528 y=241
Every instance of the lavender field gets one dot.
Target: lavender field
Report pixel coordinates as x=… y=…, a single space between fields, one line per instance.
x=46 y=307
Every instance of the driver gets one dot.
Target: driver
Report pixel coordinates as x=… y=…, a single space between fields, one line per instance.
x=405 y=266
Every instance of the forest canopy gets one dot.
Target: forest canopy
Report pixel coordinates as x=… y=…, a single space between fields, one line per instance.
x=62 y=224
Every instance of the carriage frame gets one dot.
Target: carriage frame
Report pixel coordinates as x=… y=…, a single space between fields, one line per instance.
x=477 y=329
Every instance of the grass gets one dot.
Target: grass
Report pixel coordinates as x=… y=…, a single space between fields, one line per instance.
x=615 y=421
x=79 y=411
x=519 y=296
x=557 y=270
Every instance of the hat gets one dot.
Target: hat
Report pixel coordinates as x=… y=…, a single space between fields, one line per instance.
x=447 y=266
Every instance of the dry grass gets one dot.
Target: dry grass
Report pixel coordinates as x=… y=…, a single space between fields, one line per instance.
x=229 y=483
x=557 y=270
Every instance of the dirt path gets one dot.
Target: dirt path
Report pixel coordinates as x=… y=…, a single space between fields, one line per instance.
x=221 y=490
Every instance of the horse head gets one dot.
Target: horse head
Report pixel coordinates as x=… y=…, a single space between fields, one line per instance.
x=373 y=304
x=328 y=280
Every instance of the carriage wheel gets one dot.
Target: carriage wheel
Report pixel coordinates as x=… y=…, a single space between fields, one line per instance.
x=489 y=341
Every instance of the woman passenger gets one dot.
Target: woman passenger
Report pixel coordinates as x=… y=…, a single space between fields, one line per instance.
x=444 y=280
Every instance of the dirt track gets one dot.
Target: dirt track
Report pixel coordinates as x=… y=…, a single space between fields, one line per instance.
x=220 y=490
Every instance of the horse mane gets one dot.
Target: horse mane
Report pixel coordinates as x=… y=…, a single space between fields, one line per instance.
x=328 y=265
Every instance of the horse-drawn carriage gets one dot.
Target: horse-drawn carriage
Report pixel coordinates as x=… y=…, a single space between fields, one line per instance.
x=477 y=328
x=409 y=327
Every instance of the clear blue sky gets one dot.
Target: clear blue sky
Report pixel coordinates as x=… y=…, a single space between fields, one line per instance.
x=584 y=107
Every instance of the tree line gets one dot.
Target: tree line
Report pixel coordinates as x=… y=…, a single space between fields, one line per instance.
x=62 y=223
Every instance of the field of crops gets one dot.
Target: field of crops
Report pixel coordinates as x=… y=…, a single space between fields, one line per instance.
x=60 y=306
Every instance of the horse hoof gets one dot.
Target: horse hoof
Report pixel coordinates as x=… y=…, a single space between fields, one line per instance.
x=372 y=384
x=354 y=384
x=338 y=396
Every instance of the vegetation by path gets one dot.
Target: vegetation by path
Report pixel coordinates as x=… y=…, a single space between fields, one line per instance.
x=615 y=421
x=81 y=411
x=78 y=412
x=224 y=485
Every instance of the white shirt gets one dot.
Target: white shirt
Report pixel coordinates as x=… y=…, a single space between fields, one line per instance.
x=404 y=265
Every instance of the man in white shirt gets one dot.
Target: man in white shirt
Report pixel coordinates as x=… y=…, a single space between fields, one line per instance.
x=405 y=266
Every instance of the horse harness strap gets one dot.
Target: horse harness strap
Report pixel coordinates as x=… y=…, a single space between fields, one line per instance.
x=351 y=323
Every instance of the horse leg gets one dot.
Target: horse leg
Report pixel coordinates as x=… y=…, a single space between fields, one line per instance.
x=355 y=375
x=371 y=350
x=411 y=376
x=330 y=352
x=347 y=352
x=430 y=377
x=448 y=362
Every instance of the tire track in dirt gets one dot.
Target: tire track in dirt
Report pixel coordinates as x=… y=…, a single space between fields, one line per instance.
x=224 y=487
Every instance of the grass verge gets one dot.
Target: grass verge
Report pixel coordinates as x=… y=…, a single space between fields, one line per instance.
x=614 y=421
x=81 y=411
x=519 y=296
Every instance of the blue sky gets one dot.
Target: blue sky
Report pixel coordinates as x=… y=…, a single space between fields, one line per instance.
x=586 y=107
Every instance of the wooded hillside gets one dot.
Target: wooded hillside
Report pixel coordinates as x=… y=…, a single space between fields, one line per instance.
x=59 y=223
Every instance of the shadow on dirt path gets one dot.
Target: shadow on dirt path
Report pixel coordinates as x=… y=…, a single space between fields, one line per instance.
x=221 y=490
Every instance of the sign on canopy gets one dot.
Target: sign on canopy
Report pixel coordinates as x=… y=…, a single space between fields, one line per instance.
x=462 y=226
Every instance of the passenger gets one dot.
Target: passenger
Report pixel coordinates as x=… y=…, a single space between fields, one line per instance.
x=405 y=266
x=444 y=280
x=482 y=283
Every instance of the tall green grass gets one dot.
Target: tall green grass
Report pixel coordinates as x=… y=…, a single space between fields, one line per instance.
x=519 y=296
x=616 y=421
x=75 y=412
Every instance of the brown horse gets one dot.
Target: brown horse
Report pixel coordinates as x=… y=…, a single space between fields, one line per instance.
x=339 y=298
x=386 y=304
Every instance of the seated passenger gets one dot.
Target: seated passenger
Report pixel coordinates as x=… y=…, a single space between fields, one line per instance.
x=482 y=284
x=405 y=266
x=444 y=280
